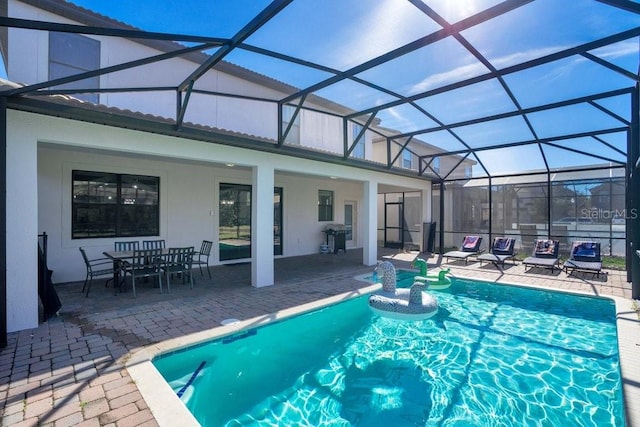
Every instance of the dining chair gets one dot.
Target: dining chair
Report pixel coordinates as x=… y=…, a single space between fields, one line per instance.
x=144 y=263
x=124 y=246
x=201 y=257
x=153 y=244
x=178 y=260
x=95 y=268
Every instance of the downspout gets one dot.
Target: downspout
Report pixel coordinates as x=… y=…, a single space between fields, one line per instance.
x=3 y=221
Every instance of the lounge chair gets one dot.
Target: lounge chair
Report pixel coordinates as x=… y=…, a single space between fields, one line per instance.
x=545 y=255
x=470 y=246
x=585 y=256
x=502 y=250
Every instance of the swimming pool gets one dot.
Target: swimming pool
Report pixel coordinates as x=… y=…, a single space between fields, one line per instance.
x=494 y=355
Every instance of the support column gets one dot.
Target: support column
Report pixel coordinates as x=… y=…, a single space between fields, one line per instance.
x=370 y=228
x=21 y=222
x=262 y=262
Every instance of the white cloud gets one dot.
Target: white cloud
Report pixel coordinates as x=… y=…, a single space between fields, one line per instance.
x=618 y=50
x=475 y=69
x=395 y=24
x=457 y=74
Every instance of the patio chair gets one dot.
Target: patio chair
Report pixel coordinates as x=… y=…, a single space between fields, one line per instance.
x=95 y=268
x=178 y=260
x=201 y=257
x=124 y=246
x=470 y=246
x=585 y=256
x=502 y=250
x=144 y=263
x=545 y=255
x=153 y=244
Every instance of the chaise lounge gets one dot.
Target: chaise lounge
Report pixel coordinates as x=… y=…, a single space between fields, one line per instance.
x=502 y=250
x=545 y=255
x=585 y=256
x=470 y=246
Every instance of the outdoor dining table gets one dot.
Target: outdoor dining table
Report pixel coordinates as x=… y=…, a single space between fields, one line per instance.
x=118 y=257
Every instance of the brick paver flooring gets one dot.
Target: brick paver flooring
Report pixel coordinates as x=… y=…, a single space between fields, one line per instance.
x=70 y=370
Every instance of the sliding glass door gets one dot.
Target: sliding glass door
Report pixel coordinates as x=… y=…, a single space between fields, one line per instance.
x=235 y=221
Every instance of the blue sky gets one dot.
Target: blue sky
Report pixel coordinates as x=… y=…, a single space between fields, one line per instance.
x=343 y=33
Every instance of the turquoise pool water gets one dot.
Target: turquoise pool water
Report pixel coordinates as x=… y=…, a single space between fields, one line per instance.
x=494 y=355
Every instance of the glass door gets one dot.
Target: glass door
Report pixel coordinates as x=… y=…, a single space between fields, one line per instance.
x=350 y=216
x=277 y=221
x=393 y=224
x=235 y=221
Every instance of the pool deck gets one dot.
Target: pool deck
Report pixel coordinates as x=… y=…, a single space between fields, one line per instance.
x=72 y=369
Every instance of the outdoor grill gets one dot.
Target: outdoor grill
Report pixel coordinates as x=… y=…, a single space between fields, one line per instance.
x=338 y=232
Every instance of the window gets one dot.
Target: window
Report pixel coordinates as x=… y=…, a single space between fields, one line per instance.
x=293 y=137
x=467 y=172
x=114 y=205
x=435 y=165
x=277 y=220
x=358 y=150
x=406 y=159
x=71 y=54
x=325 y=205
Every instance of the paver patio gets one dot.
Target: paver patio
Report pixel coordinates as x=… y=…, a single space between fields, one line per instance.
x=71 y=369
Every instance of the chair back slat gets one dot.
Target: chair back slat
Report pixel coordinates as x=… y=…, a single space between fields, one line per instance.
x=205 y=249
x=153 y=244
x=126 y=246
x=146 y=257
x=180 y=255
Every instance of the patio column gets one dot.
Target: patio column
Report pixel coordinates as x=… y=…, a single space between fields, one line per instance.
x=370 y=220
x=21 y=222
x=262 y=269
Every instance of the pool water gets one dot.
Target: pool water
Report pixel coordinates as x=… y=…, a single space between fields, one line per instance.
x=494 y=355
